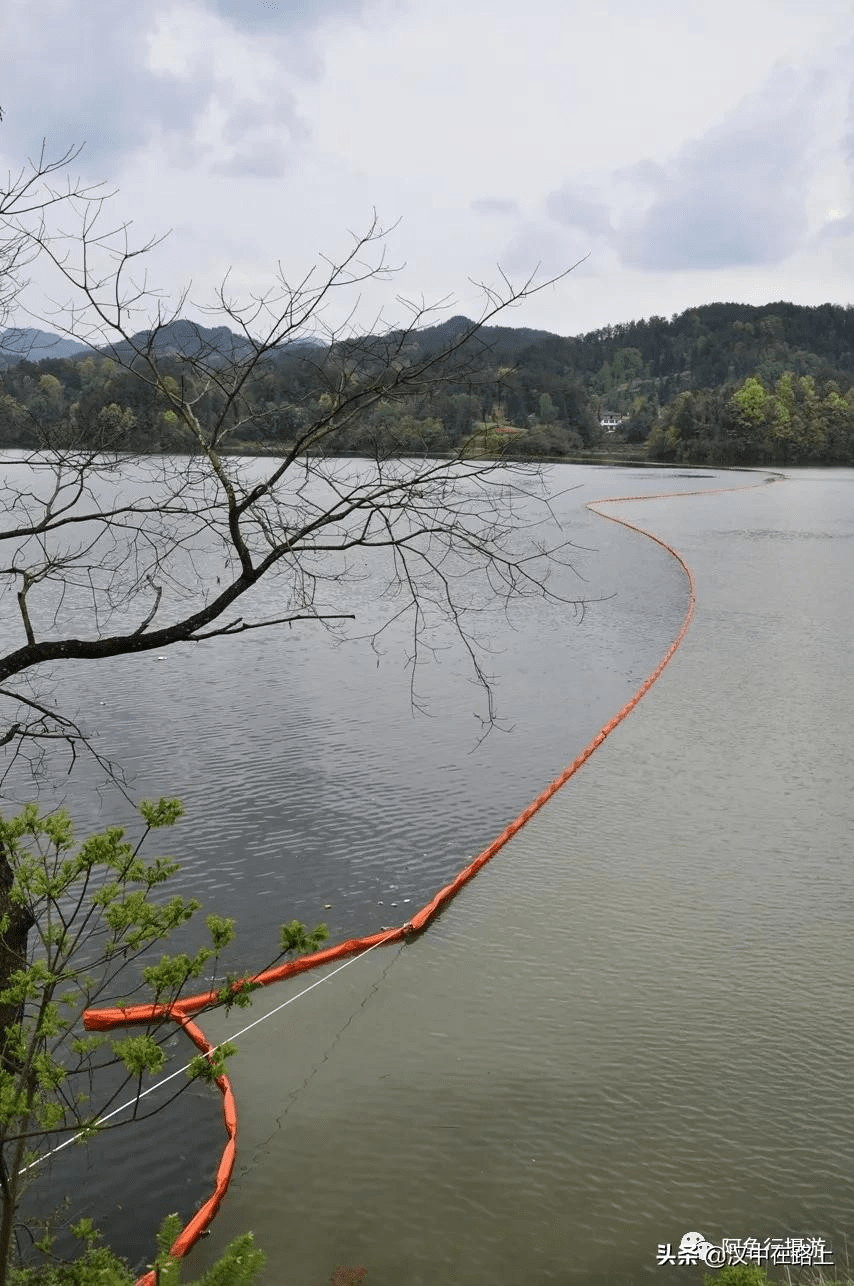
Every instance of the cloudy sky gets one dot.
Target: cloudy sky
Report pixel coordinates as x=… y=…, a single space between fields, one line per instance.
x=692 y=151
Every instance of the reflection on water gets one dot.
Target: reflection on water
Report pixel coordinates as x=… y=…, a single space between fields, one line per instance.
x=310 y=777
x=310 y=780
x=637 y=1019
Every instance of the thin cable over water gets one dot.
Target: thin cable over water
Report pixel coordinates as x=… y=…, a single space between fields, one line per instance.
x=102 y=1120
x=180 y=1011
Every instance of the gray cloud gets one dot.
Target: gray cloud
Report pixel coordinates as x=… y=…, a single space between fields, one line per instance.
x=645 y=173
x=262 y=158
x=542 y=249
x=89 y=82
x=735 y=197
x=842 y=227
x=252 y=145
x=848 y=136
x=494 y=205
x=273 y=15
x=576 y=211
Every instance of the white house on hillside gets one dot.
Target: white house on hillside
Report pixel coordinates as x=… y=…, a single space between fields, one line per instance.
x=610 y=421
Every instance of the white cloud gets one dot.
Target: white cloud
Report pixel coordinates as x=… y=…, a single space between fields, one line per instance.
x=571 y=207
x=693 y=150
x=737 y=195
x=491 y=205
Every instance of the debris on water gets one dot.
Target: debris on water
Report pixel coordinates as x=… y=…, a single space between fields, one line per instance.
x=327 y=906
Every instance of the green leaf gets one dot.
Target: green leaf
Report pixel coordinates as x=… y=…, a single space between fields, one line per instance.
x=297 y=938
x=221 y=931
x=164 y=813
x=140 y=1054
x=207 y=1067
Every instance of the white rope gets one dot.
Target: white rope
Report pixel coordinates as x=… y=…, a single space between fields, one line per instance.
x=166 y=1079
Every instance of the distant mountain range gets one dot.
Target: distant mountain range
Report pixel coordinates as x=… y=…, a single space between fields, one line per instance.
x=707 y=345
x=640 y=381
x=25 y=343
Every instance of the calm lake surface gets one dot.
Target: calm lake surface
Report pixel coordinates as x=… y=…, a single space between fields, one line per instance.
x=635 y=1021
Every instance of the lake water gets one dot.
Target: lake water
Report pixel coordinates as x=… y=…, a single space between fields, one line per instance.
x=636 y=1020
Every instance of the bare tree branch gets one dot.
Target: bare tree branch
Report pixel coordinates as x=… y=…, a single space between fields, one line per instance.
x=110 y=551
x=294 y=521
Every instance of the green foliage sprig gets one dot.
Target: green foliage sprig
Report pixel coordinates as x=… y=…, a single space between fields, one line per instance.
x=78 y=919
x=100 y=1266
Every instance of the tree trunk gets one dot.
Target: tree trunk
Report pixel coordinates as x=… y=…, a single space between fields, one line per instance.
x=7 y=1226
x=13 y=952
x=13 y=956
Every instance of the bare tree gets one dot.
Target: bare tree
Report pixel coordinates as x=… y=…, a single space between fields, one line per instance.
x=108 y=551
x=109 y=555
x=36 y=188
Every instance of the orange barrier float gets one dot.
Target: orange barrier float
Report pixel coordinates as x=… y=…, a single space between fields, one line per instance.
x=100 y=1020
x=180 y=1011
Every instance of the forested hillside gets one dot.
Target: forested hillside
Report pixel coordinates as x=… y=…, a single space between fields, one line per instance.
x=722 y=383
